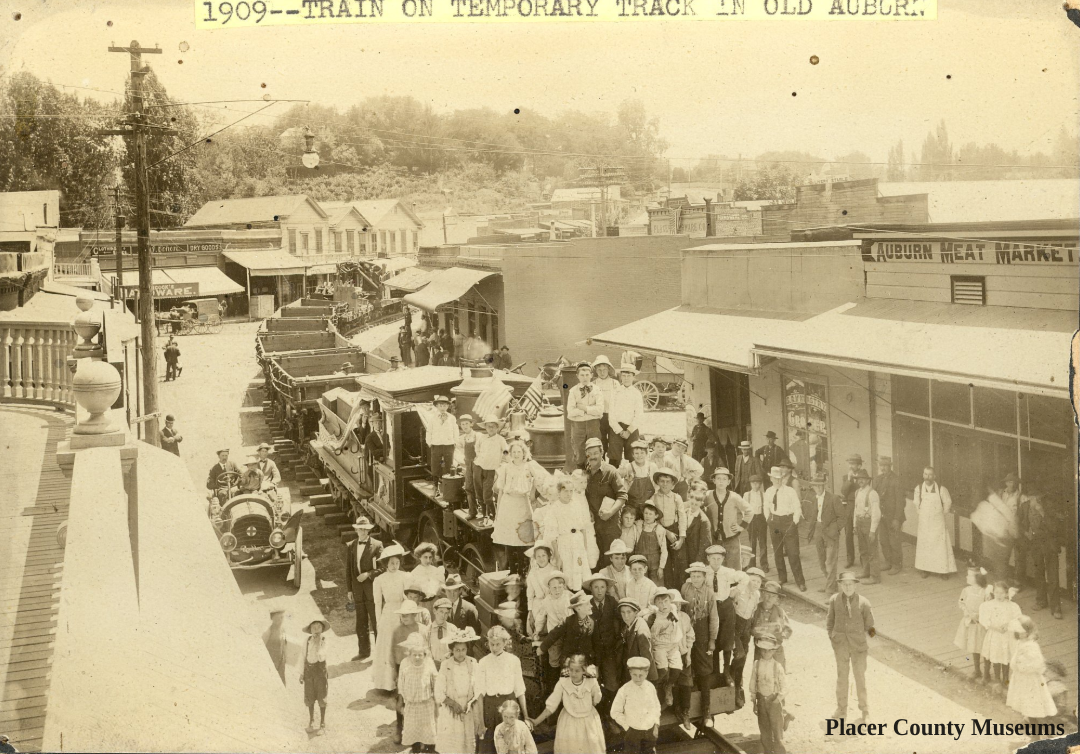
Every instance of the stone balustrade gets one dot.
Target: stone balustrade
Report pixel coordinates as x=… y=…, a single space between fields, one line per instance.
x=33 y=363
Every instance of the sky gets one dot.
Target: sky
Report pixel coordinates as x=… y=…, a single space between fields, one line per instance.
x=1001 y=71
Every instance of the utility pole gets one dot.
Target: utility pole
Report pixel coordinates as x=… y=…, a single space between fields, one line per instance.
x=118 y=292
x=136 y=131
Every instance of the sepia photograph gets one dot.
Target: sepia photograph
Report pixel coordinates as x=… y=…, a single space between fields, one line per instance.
x=539 y=376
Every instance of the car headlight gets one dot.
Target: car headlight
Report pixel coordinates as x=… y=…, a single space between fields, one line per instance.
x=277 y=539
x=228 y=542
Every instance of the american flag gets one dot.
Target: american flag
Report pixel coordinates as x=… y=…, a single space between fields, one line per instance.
x=493 y=401
x=530 y=402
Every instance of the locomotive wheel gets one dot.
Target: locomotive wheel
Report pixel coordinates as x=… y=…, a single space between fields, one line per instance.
x=650 y=394
x=299 y=558
x=473 y=562
x=428 y=531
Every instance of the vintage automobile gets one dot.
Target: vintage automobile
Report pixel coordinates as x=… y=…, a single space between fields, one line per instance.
x=257 y=528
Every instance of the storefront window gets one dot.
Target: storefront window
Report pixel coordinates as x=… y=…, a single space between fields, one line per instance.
x=951 y=401
x=911 y=395
x=806 y=426
x=995 y=410
x=1045 y=418
x=911 y=449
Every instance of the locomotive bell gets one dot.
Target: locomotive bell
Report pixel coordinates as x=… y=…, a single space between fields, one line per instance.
x=517 y=420
x=546 y=432
x=470 y=388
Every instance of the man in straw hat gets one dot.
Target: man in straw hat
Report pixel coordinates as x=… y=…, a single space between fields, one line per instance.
x=463 y=614
x=442 y=437
x=617 y=570
x=585 y=405
x=605 y=494
x=625 y=411
x=605 y=382
x=825 y=529
x=746 y=466
x=361 y=568
x=440 y=630
x=727 y=513
x=849 y=622
x=783 y=511
x=887 y=485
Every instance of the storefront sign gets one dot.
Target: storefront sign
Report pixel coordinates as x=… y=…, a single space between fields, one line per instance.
x=102 y=250
x=1049 y=252
x=166 y=290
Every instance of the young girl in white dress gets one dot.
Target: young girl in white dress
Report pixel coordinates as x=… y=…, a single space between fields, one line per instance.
x=970 y=633
x=457 y=724
x=515 y=483
x=579 y=729
x=998 y=645
x=388 y=590
x=1029 y=693
x=569 y=529
x=536 y=582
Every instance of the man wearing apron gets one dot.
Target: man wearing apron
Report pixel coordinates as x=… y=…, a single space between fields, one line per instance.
x=686 y=468
x=637 y=476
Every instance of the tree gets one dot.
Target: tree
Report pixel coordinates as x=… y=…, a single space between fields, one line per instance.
x=936 y=159
x=775 y=183
x=49 y=140
x=897 y=169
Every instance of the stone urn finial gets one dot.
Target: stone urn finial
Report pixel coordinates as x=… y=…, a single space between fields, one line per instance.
x=87 y=325
x=96 y=386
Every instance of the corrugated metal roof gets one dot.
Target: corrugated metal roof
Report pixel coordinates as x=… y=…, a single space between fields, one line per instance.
x=256 y=209
x=986 y=201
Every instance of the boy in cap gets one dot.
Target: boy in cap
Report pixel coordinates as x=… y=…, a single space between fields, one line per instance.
x=361 y=568
x=672 y=514
x=770 y=620
x=585 y=405
x=439 y=630
x=490 y=448
x=635 y=639
x=466 y=448
x=442 y=437
x=849 y=621
x=747 y=596
x=667 y=641
x=625 y=409
x=721 y=579
x=640 y=587
x=767 y=686
x=314 y=677
x=701 y=609
x=758 y=529
x=636 y=709
x=606 y=630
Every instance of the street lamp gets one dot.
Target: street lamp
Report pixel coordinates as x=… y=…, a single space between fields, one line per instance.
x=310 y=157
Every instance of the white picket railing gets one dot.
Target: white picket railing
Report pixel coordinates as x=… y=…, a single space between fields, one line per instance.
x=74 y=270
x=33 y=363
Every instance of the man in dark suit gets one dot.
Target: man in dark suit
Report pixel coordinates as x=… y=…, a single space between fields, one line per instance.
x=829 y=518
x=887 y=484
x=849 y=485
x=361 y=568
x=770 y=455
x=462 y=612
x=223 y=466
x=607 y=628
x=746 y=466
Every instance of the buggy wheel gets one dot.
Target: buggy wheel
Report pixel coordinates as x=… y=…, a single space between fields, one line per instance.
x=298 y=565
x=215 y=326
x=650 y=394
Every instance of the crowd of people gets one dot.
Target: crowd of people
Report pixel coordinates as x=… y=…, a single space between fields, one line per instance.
x=423 y=343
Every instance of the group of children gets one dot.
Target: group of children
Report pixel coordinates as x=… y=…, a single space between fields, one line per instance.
x=1004 y=646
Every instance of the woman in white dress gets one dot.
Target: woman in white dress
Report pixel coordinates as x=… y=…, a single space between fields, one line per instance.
x=388 y=589
x=427 y=574
x=457 y=725
x=515 y=483
x=570 y=531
